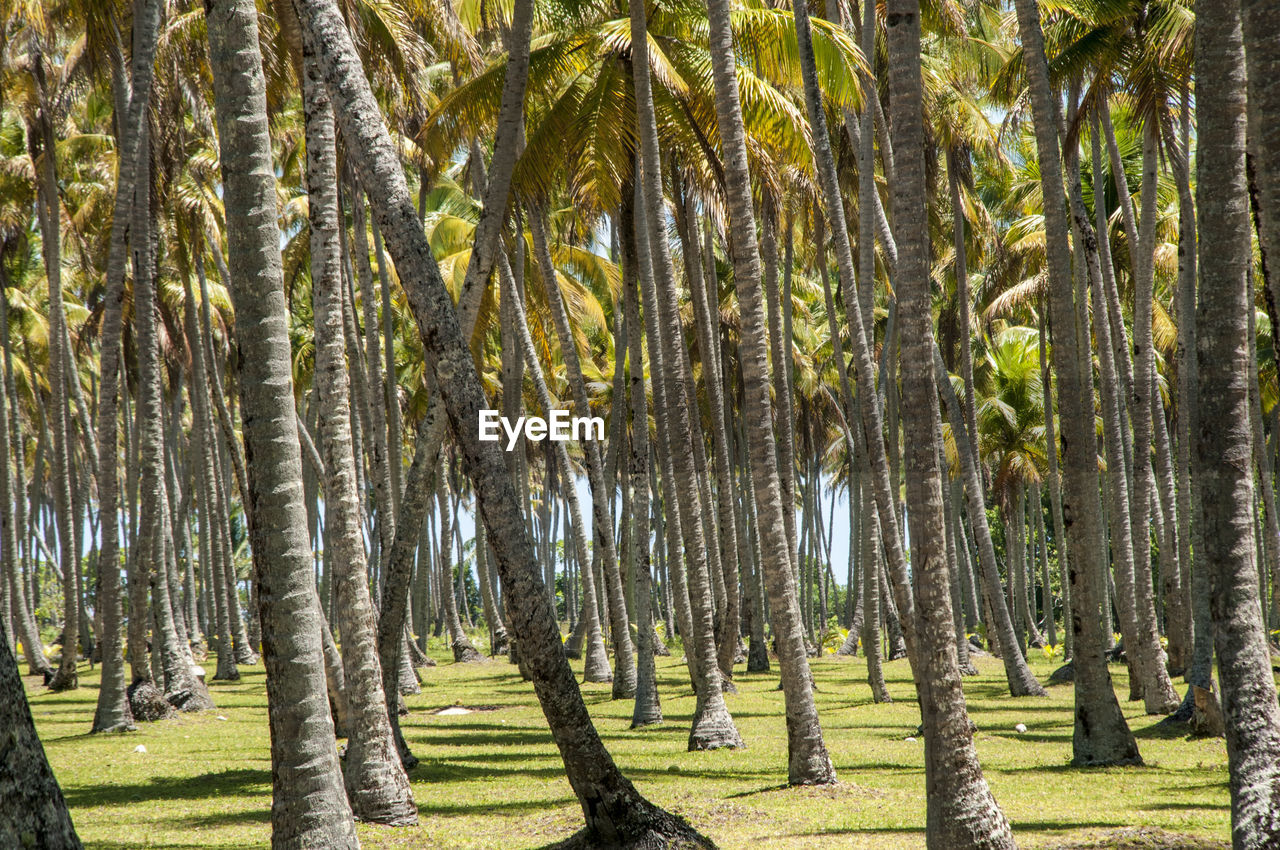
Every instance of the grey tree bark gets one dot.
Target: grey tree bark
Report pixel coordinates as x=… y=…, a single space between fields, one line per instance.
x=1223 y=438
x=1101 y=734
x=33 y=812
x=961 y=811
x=615 y=812
x=376 y=784
x=309 y=806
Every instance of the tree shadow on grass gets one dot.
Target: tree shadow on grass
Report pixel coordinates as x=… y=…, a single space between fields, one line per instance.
x=239 y=782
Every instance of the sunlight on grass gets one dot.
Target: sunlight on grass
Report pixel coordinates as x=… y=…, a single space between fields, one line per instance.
x=493 y=778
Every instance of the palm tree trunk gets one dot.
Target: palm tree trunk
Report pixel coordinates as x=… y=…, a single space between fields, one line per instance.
x=624 y=672
x=309 y=805
x=1158 y=692
x=647 y=710
x=615 y=811
x=49 y=209
x=1000 y=625
x=35 y=811
x=712 y=380
x=1101 y=735
x=961 y=810
x=376 y=784
x=1223 y=435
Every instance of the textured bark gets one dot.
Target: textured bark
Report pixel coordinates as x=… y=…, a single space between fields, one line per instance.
x=667 y=516
x=713 y=726
x=648 y=709
x=1101 y=735
x=376 y=784
x=730 y=622
x=1222 y=439
x=961 y=812
x=1158 y=693
x=33 y=812
x=49 y=213
x=309 y=807
x=112 y=712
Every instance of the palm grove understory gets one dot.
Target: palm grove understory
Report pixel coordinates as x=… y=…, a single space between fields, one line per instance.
x=992 y=279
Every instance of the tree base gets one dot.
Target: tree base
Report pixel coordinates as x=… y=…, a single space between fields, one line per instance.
x=61 y=681
x=465 y=653
x=652 y=829
x=147 y=703
x=714 y=729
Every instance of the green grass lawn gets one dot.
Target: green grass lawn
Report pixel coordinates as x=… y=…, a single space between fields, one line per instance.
x=493 y=778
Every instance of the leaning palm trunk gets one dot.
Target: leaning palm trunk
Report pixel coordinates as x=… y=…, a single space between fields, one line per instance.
x=33 y=812
x=615 y=812
x=961 y=810
x=309 y=807
x=376 y=784
x=1101 y=735
x=1223 y=444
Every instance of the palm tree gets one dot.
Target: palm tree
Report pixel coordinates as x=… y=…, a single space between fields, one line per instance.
x=1223 y=437
x=309 y=806
x=961 y=809
x=615 y=812
x=375 y=779
x=35 y=812
x=49 y=212
x=713 y=726
x=809 y=762
x=647 y=710
x=1101 y=735
x=624 y=673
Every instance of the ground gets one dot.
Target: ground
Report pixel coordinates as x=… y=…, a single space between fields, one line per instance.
x=492 y=778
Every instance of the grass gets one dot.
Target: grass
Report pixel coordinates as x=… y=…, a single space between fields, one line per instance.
x=493 y=778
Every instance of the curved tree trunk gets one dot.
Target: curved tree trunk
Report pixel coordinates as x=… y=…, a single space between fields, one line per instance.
x=615 y=812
